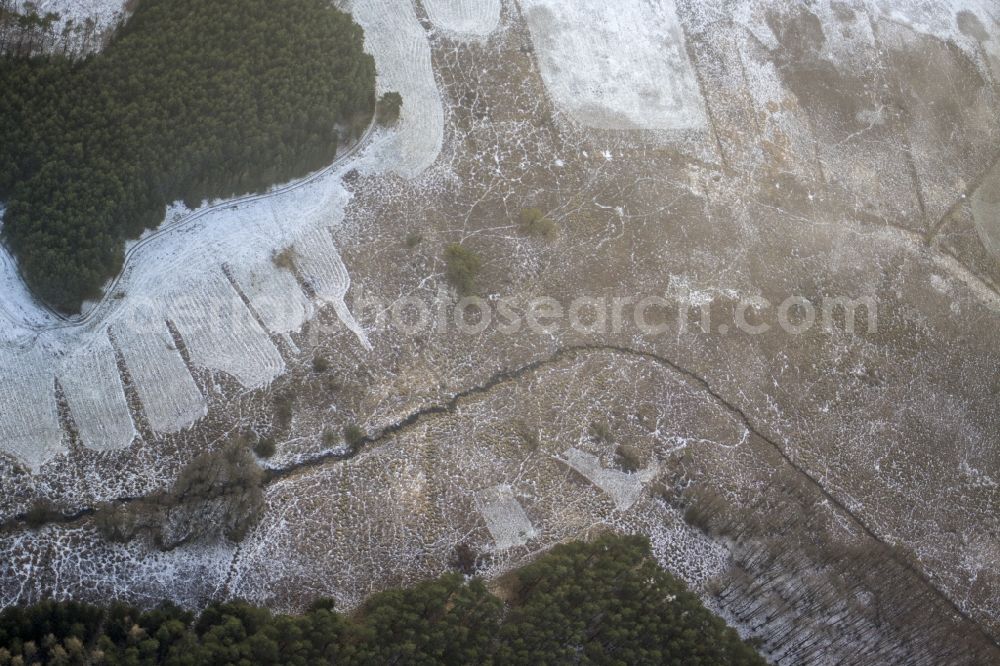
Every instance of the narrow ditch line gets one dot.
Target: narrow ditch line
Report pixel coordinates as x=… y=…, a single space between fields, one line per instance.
x=137 y=410
x=508 y=376
x=966 y=195
x=700 y=80
x=200 y=376
x=66 y=420
x=276 y=340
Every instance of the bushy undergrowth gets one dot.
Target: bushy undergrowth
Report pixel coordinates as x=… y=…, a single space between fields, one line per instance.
x=389 y=108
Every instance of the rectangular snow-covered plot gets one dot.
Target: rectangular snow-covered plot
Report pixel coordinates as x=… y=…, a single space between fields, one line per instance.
x=272 y=290
x=476 y=18
x=505 y=517
x=220 y=333
x=274 y=294
x=170 y=398
x=320 y=265
x=29 y=417
x=96 y=397
x=616 y=65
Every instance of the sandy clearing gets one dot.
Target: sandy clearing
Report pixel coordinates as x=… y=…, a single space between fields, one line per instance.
x=649 y=85
x=465 y=18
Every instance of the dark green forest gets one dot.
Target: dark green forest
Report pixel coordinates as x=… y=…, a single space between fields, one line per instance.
x=604 y=602
x=191 y=100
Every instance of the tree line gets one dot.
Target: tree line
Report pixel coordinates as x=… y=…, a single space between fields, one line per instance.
x=23 y=31
x=190 y=101
x=604 y=602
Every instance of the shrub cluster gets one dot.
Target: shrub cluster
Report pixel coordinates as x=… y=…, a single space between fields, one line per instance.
x=462 y=267
x=534 y=223
x=219 y=493
x=388 y=109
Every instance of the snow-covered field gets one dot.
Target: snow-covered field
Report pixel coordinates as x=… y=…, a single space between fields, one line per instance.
x=505 y=518
x=616 y=65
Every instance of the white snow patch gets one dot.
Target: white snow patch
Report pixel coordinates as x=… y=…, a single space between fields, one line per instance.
x=623 y=489
x=465 y=18
x=170 y=398
x=93 y=388
x=600 y=81
x=939 y=18
x=940 y=284
x=29 y=421
x=323 y=269
x=221 y=333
